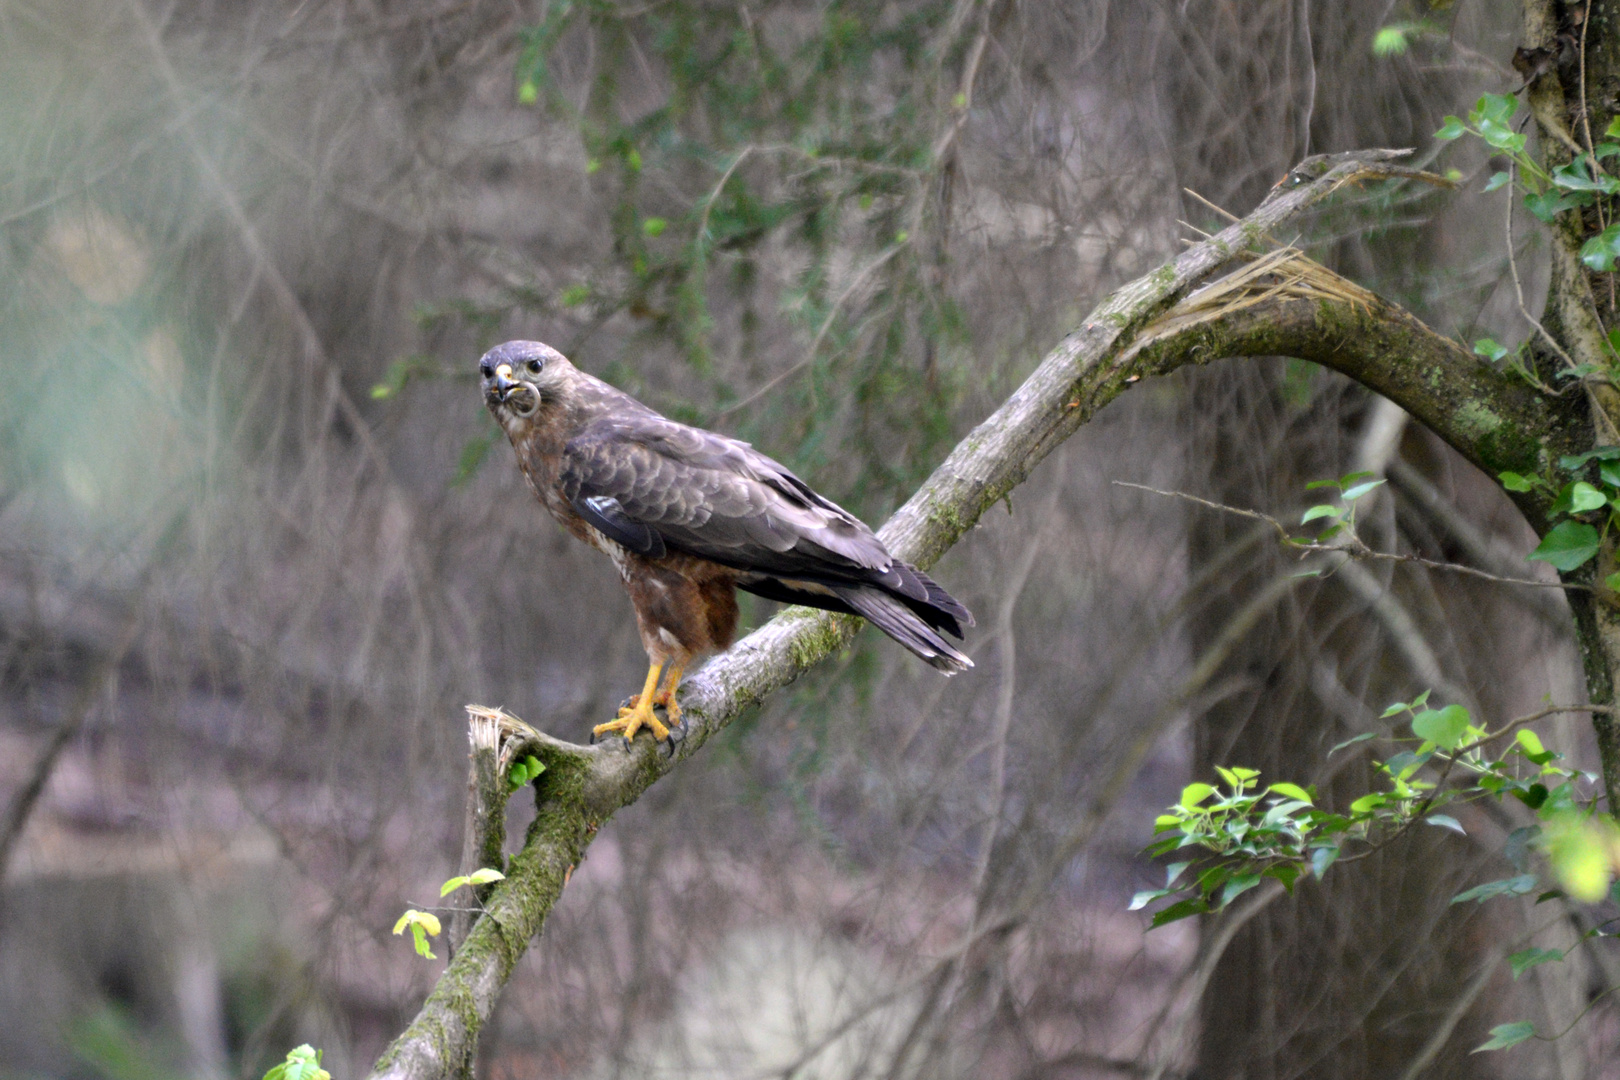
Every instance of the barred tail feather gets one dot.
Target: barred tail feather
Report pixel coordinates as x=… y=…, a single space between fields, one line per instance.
x=897 y=619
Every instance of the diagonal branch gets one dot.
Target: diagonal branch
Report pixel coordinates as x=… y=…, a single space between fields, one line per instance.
x=1138 y=330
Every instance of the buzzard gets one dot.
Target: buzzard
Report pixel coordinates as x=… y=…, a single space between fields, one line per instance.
x=689 y=516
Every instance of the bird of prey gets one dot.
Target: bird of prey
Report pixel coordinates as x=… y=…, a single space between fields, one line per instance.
x=688 y=516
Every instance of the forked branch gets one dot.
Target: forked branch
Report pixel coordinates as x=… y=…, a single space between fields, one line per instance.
x=1280 y=304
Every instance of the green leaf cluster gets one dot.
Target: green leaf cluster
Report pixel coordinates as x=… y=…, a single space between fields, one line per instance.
x=1227 y=837
x=303 y=1063
x=422 y=925
x=523 y=772
x=1546 y=194
x=1341 y=515
x=1589 y=505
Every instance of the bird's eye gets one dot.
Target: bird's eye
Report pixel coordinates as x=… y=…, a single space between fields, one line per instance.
x=534 y=366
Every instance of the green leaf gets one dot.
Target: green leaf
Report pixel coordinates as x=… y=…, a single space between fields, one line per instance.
x=1574 y=177
x=1526 y=959
x=1322 y=858
x=1353 y=740
x=1609 y=473
x=1497 y=108
x=303 y=1063
x=1292 y=791
x=1237 y=886
x=1195 y=793
x=1146 y=897
x=654 y=226
x=450 y=886
x=528 y=93
x=1514 y=482
x=1315 y=484
x=1550 y=203
x=1599 y=252
x=1497 y=180
x=1586 y=497
x=1505 y=1035
x=421 y=923
x=1532 y=746
x=1370 y=801
x=1567 y=546
x=1613 y=130
x=1489 y=349
x=1513 y=886
x=1360 y=489
x=1444 y=727
x=1452 y=129
x=1571 y=462
x=1390 y=40
x=485 y=875
x=1446 y=821
x=1180 y=910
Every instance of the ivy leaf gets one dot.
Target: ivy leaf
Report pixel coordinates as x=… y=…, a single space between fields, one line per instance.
x=1514 y=482
x=1523 y=961
x=1572 y=462
x=1567 y=546
x=1551 y=202
x=1599 y=252
x=1505 y=1035
x=1444 y=727
x=1586 y=497
x=1452 y=129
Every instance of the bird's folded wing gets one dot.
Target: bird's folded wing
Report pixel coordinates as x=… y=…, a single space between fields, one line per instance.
x=654 y=485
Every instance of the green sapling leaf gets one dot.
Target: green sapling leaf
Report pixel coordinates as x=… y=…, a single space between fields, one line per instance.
x=1505 y=1035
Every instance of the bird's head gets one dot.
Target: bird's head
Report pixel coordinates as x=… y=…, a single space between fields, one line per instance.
x=521 y=378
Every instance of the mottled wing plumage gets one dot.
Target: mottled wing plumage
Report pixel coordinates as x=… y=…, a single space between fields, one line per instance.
x=653 y=486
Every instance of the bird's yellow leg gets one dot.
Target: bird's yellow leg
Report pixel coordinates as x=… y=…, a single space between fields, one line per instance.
x=666 y=696
x=639 y=715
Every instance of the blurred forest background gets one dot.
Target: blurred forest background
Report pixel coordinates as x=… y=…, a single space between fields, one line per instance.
x=259 y=541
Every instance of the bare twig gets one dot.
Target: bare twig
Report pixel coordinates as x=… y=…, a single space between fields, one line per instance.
x=1355 y=549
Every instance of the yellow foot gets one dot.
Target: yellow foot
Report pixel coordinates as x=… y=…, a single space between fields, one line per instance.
x=631 y=720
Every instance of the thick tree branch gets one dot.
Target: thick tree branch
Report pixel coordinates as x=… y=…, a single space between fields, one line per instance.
x=1131 y=334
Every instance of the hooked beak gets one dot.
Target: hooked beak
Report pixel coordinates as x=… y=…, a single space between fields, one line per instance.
x=504 y=390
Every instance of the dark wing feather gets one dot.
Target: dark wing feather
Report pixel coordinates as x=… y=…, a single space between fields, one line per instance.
x=654 y=485
x=717 y=498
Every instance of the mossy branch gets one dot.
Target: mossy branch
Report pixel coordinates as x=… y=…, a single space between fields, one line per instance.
x=1133 y=333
